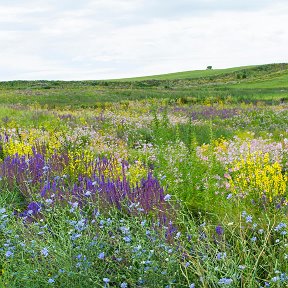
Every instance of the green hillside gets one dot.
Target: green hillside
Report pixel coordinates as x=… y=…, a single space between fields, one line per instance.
x=188 y=74
x=249 y=84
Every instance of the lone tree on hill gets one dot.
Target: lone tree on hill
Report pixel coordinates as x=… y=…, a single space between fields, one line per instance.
x=209 y=67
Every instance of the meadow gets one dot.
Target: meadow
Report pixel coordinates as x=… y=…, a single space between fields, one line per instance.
x=176 y=180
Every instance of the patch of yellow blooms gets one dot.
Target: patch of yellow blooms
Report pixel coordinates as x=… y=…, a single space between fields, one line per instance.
x=257 y=175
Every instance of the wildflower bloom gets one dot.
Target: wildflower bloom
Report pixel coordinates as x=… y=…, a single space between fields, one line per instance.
x=167 y=197
x=106 y=280
x=225 y=281
x=219 y=230
x=44 y=252
x=124 y=285
x=101 y=255
x=51 y=280
x=8 y=254
x=249 y=219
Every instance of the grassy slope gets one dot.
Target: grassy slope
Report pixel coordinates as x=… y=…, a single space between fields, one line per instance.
x=251 y=83
x=187 y=74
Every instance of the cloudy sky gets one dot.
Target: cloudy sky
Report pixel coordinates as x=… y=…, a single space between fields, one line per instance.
x=103 y=39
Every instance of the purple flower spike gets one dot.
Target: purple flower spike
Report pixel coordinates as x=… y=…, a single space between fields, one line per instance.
x=219 y=230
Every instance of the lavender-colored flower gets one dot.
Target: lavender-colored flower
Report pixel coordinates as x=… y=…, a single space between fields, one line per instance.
x=101 y=255
x=124 y=285
x=106 y=280
x=49 y=201
x=280 y=226
x=88 y=193
x=253 y=239
x=219 y=230
x=225 y=281
x=167 y=197
x=192 y=285
x=51 y=280
x=248 y=219
x=2 y=210
x=9 y=254
x=127 y=239
x=44 y=252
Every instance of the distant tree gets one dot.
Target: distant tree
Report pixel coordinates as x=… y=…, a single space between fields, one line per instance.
x=209 y=67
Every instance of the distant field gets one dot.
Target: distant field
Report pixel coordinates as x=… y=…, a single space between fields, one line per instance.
x=187 y=74
x=248 y=84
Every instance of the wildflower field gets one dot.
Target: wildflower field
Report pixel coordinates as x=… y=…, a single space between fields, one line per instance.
x=174 y=182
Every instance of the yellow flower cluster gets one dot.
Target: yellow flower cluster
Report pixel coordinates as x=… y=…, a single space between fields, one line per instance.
x=257 y=176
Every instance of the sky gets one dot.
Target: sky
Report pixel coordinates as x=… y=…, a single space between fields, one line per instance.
x=106 y=39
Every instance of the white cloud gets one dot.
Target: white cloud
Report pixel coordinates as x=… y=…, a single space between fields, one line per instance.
x=119 y=38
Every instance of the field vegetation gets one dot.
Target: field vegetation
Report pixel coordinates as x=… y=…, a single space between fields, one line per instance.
x=177 y=180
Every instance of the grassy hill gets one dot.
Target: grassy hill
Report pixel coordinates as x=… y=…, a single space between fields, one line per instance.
x=249 y=83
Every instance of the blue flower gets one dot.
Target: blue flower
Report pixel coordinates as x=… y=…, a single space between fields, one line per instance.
x=9 y=254
x=127 y=239
x=167 y=197
x=229 y=196
x=124 y=285
x=192 y=285
x=280 y=226
x=51 y=280
x=101 y=255
x=106 y=280
x=249 y=219
x=225 y=281
x=44 y=252
x=2 y=210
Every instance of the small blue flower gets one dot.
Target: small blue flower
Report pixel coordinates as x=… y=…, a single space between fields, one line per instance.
x=106 y=280
x=44 y=252
x=127 y=239
x=249 y=219
x=253 y=239
x=225 y=281
x=275 y=279
x=167 y=197
x=101 y=255
x=124 y=285
x=8 y=254
x=51 y=280
x=229 y=196
x=2 y=210
x=280 y=226
x=192 y=285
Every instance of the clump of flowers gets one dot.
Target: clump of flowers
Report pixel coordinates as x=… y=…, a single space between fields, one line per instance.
x=258 y=178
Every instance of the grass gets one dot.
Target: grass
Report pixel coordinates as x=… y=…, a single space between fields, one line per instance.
x=180 y=182
x=250 y=84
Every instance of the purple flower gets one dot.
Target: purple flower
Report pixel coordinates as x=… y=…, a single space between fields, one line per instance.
x=219 y=230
